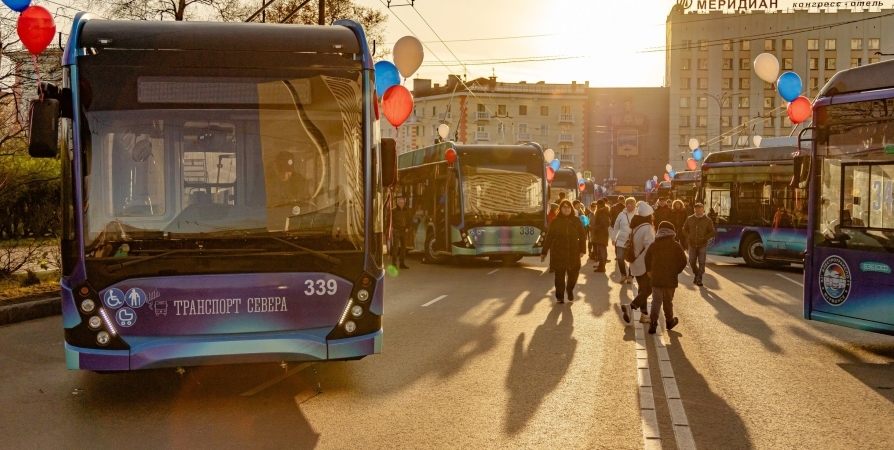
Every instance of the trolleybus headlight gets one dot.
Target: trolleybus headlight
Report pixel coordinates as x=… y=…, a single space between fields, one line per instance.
x=95 y=322
x=363 y=295
x=103 y=338
x=88 y=306
x=350 y=327
x=356 y=311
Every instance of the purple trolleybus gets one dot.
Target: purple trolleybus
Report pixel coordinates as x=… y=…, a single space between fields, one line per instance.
x=850 y=249
x=221 y=199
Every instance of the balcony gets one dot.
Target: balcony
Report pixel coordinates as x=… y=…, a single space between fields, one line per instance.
x=482 y=115
x=566 y=158
x=445 y=117
x=566 y=137
x=568 y=118
x=482 y=135
x=523 y=137
x=412 y=119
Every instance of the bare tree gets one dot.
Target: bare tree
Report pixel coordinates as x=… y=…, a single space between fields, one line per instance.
x=213 y=10
x=373 y=20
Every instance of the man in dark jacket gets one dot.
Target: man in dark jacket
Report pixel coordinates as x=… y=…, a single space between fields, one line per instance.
x=401 y=220
x=599 y=226
x=662 y=211
x=664 y=262
x=698 y=229
x=617 y=208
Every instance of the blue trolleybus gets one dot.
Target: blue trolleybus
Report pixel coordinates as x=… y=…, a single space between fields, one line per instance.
x=565 y=181
x=222 y=187
x=490 y=202
x=847 y=271
x=758 y=214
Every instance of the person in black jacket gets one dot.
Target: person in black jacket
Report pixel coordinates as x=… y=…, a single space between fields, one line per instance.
x=567 y=240
x=664 y=262
x=599 y=227
x=401 y=219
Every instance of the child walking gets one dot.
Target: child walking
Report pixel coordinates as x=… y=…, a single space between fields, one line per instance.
x=664 y=262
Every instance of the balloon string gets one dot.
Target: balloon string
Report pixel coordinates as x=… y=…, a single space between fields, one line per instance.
x=37 y=73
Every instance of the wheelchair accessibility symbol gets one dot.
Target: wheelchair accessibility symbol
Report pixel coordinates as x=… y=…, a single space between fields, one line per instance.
x=113 y=298
x=126 y=317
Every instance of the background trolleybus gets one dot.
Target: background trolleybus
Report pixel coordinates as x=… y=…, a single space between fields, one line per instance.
x=220 y=193
x=847 y=272
x=491 y=202
x=758 y=214
x=565 y=181
x=685 y=186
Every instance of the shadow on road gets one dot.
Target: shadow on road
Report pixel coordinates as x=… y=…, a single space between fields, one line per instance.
x=714 y=423
x=538 y=369
x=741 y=322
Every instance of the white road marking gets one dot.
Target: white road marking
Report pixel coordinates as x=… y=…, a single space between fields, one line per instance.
x=789 y=279
x=439 y=298
x=493 y=271
x=651 y=435
x=682 y=433
x=275 y=380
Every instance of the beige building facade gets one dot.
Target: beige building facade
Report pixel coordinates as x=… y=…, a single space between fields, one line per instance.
x=485 y=111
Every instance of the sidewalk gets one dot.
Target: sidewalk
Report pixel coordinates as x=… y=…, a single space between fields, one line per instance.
x=30 y=307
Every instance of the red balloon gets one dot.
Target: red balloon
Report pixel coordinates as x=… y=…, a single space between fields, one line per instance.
x=397 y=104
x=800 y=109
x=691 y=164
x=450 y=155
x=581 y=187
x=550 y=173
x=667 y=177
x=36 y=29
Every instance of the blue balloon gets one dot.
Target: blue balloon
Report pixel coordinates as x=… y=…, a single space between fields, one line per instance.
x=789 y=86
x=386 y=76
x=672 y=173
x=555 y=164
x=697 y=154
x=17 y=5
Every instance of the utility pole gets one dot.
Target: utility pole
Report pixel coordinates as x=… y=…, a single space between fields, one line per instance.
x=322 y=20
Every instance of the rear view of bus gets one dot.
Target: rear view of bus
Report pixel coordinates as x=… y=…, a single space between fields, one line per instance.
x=218 y=194
x=847 y=273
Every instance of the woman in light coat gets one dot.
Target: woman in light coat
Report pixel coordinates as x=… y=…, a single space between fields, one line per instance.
x=643 y=235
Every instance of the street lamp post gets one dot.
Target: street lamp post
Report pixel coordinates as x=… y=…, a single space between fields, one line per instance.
x=719 y=99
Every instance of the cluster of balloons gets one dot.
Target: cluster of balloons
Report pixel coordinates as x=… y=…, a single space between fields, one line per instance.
x=552 y=164
x=35 y=26
x=789 y=86
x=581 y=182
x=397 y=101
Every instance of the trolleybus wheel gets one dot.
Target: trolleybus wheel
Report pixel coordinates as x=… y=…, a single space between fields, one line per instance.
x=431 y=251
x=510 y=259
x=753 y=251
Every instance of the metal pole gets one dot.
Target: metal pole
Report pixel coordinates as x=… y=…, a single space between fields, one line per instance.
x=611 y=167
x=322 y=12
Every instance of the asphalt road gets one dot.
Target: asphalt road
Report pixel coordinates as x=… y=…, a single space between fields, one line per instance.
x=496 y=363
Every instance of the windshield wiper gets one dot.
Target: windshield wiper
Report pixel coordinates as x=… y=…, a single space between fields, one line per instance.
x=119 y=266
x=321 y=255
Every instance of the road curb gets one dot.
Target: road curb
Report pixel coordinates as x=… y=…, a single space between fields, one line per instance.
x=30 y=310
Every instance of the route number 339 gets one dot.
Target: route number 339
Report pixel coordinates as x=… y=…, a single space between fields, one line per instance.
x=320 y=287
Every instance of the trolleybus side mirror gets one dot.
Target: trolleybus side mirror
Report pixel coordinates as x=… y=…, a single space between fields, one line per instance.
x=388 y=148
x=802 y=171
x=43 y=139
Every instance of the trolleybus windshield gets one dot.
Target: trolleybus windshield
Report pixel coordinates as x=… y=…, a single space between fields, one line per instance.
x=510 y=192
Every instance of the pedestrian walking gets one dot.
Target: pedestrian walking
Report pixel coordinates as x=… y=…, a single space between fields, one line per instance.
x=620 y=231
x=591 y=217
x=401 y=218
x=599 y=231
x=662 y=211
x=664 y=261
x=642 y=234
x=678 y=217
x=553 y=211
x=566 y=239
x=619 y=206
x=698 y=229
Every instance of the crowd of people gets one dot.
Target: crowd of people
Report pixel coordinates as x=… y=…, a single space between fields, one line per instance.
x=649 y=242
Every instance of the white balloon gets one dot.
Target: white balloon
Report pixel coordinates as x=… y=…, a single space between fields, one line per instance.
x=443 y=130
x=580 y=176
x=766 y=66
x=549 y=155
x=693 y=144
x=757 y=141
x=408 y=55
x=668 y=168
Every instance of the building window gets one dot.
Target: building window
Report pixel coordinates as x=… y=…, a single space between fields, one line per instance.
x=482 y=108
x=687 y=44
x=726 y=83
x=768 y=102
x=702 y=121
x=565 y=110
x=813 y=44
x=480 y=127
x=501 y=110
x=703 y=102
x=787 y=64
x=686 y=64
x=769 y=44
x=874 y=43
x=727 y=44
x=873 y=60
x=726 y=102
x=788 y=44
x=684 y=139
x=813 y=83
x=703 y=64
x=830 y=44
x=702 y=83
x=856 y=62
x=830 y=63
x=685 y=83
x=744 y=83
x=786 y=122
x=522 y=128
x=856 y=44
x=744 y=45
x=727 y=63
x=725 y=121
x=684 y=121
x=523 y=110
x=743 y=120
x=768 y=122
x=544 y=110
x=544 y=130
x=434 y=111
x=727 y=140
x=744 y=102
x=768 y=85
x=814 y=63
x=702 y=139
x=684 y=102
x=702 y=45
x=744 y=64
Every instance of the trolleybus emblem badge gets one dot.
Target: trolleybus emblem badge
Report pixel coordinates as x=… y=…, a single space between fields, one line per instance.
x=835 y=280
